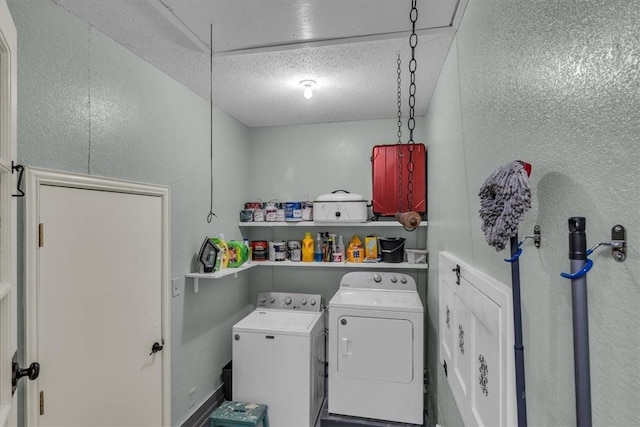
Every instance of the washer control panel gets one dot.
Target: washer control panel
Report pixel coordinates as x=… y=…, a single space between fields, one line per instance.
x=378 y=280
x=290 y=301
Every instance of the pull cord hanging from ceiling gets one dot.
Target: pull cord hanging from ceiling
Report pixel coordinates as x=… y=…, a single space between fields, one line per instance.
x=211 y=213
x=409 y=219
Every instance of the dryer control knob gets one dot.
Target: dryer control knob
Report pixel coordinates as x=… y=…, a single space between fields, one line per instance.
x=394 y=279
x=263 y=299
x=403 y=280
x=312 y=302
x=287 y=300
x=304 y=301
x=377 y=278
x=272 y=300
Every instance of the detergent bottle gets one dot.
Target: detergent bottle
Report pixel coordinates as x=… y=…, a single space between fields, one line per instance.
x=238 y=253
x=307 y=247
x=224 y=250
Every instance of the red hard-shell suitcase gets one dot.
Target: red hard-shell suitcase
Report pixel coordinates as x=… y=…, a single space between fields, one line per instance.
x=389 y=192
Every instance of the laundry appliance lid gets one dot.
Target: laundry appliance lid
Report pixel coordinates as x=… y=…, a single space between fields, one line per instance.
x=377 y=300
x=282 y=322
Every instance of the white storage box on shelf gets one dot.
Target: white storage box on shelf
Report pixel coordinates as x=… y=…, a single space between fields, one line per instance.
x=340 y=206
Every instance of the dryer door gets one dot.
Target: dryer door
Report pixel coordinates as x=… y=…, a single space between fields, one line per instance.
x=375 y=349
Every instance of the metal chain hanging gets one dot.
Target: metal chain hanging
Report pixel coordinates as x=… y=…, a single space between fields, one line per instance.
x=399 y=148
x=399 y=102
x=411 y=123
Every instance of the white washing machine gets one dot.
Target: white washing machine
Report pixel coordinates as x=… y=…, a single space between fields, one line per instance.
x=376 y=348
x=279 y=357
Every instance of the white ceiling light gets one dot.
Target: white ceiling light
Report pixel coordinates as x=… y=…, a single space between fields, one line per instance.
x=308 y=84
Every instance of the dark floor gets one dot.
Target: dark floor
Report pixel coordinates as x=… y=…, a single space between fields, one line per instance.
x=331 y=420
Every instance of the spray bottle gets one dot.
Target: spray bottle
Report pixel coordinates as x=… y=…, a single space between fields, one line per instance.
x=341 y=249
x=318 y=253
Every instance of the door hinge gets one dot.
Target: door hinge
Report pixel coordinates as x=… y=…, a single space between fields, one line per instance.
x=40 y=235
x=41 y=402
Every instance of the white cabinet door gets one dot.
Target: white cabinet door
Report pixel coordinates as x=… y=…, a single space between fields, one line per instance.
x=476 y=343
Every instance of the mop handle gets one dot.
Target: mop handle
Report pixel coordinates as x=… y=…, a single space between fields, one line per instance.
x=578 y=256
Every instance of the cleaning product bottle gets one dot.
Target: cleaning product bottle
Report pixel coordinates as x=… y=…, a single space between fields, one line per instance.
x=341 y=249
x=331 y=247
x=307 y=247
x=318 y=254
x=238 y=253
x=224 y=249
x=246 y=243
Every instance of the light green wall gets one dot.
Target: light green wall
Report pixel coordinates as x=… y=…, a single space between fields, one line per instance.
x=302 y=162
x=289 y=163
x=88 y=105
x=555 y=84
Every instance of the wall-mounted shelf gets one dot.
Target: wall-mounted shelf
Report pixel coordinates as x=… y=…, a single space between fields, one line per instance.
x=290 y=264
x=365 y=265
x=394 y=224
x=218 y=274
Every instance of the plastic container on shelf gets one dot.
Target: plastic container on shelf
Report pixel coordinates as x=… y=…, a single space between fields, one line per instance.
x=318 y=254
x=224 y=250
x=307 y=248
x=246 y=243
x=238 y=253
x=341 y=248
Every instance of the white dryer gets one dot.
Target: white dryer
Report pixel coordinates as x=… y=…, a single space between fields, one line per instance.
x=279 y=357
x=376 y=348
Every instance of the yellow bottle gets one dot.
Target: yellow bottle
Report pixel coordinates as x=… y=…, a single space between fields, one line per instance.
x=307 y=248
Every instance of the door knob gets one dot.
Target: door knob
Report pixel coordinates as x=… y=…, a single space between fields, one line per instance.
x=32 y=372
x=156 y=347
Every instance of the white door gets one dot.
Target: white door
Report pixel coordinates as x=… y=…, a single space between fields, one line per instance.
x=98 y=307
x=8 y=301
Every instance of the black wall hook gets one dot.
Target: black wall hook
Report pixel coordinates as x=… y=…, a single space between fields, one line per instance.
x=20 y=170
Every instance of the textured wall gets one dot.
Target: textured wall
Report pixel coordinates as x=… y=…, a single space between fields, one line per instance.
x=87 y=105
x=555 y=84
x=304 y=161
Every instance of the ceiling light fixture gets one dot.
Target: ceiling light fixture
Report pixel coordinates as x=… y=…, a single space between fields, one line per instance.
x=308 y=84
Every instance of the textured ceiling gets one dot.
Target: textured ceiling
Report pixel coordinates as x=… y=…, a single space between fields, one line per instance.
x=264 y=48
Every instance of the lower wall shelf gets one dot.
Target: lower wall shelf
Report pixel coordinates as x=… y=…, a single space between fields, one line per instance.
x=291 y=264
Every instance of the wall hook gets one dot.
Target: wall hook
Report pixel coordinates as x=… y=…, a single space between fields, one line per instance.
x=537 y=239
x=584 y=270
x=20 y=170
x=618 y=243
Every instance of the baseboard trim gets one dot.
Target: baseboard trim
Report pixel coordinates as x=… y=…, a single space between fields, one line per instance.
x=199 y=417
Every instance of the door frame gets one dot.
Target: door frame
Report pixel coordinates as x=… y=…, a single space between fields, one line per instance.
x=34 y=179
x=8 y=214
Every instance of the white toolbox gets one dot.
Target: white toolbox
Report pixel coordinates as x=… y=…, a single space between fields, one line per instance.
x=340 y=206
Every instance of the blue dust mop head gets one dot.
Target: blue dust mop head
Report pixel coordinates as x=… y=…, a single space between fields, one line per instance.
x=505 y=196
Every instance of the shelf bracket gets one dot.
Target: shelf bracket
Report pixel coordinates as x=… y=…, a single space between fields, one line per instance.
x=196 y=287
